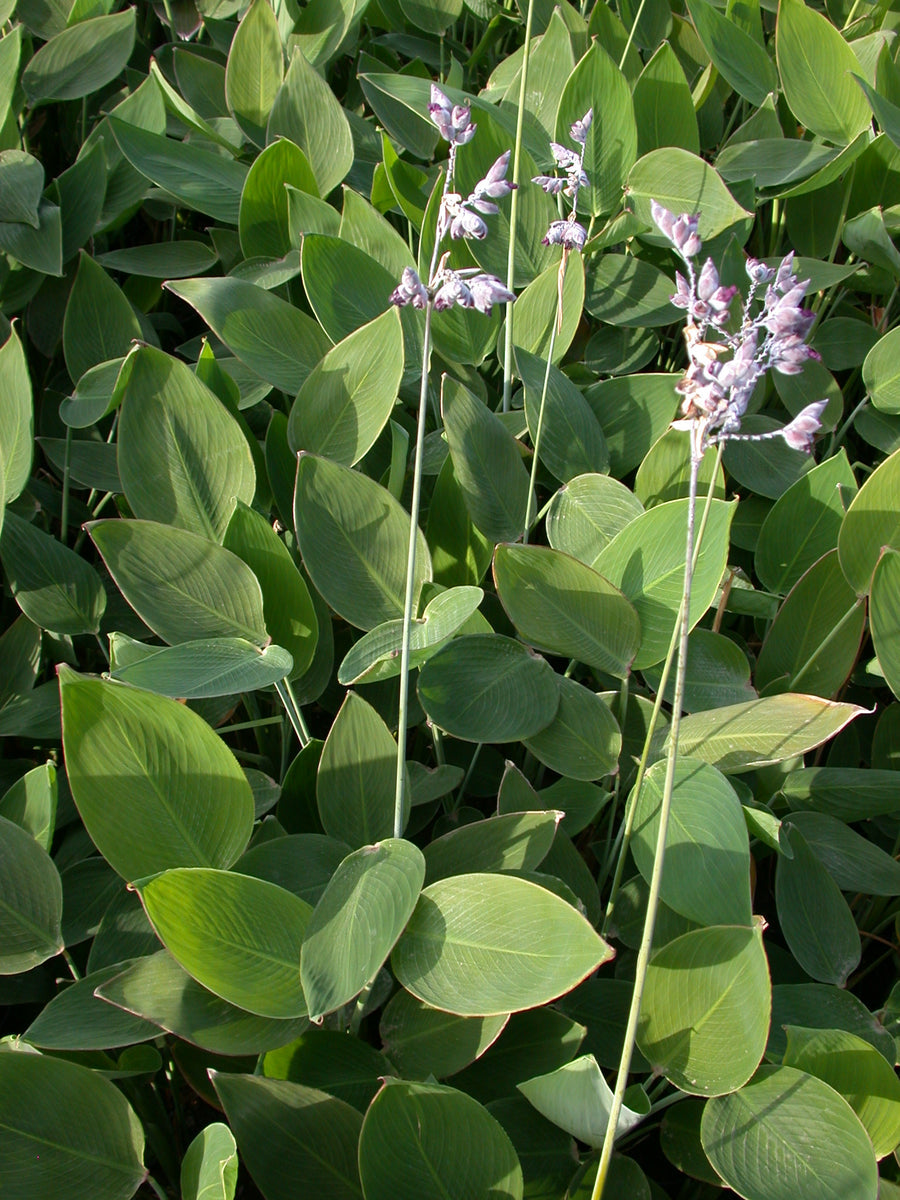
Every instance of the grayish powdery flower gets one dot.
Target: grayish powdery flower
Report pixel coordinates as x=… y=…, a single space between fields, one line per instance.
x=452 y=120
x=410 y=290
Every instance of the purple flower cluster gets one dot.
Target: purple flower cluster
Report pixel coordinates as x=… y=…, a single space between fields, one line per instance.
x=568 y=233
x=457 y=215
x=453 y=120
x=467 y=288
x=723 y=373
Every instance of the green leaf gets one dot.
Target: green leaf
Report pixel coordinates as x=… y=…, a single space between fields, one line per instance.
x=787 y=1116
x=68 y=1132
x=682 y=182
x=434 y=16
x=41 y=248
x=665 y=472
x=815 y=919
x=883 y=617
x=264 y=222
x=858 y=1072
x=872 y=524
x=738 y=57
x=707 y=850
x=586 y=514
x=767 y=468
x=804 y=523
x=460 y=553
x=487 y=463
x=535 y=311
x=182 y=457
x=354 y=536
x=479 y=945
x=197 y=670
x=663 y=108
x=816 y=66
x=427 y=1141
x=376 y=655
x=814 y=640
x=635 y=411
x=355 y=786
x=348 y=398
x=17 y=429
x=100 y=323
x=31 y=803
x=180 y=584
x=424 y=1041
x=268 y=335
x=76 y=1019
x=209 y=1169
x=624 y=290
x=562 y=606
x=743 y=737
x=822 y=1006
x=611 y=145
x=30 y=903
x=577 y=1098
x=57 y=588
x=646 y=561
x=287 y=1132
x=81 y=59
x=488 y=688
x=510 y=842
x=880 y=374
x=21 y=181
x=161 y=260
x=198 y=179
x=237 y=936
x=355 y=924
x=307 y=111
x=154 y=785
x=848 y=793
x=287 y=605
x=572 y=442
x=161 y=991
x=255 y=70
x=342 y=1066
x=707 y=989
x=582 y=741
x=855 y=863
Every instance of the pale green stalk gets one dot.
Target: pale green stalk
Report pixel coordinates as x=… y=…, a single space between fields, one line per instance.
x=400 y=789
x=646 y=945
x=631 y=31
x=513 y=208
x=532 y=480
x=292 y=708
x=823 y=646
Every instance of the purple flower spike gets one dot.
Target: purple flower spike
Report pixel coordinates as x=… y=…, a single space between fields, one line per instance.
x=684 y=235
x=801 y=432
x=564 y=158
x=758 y=272
x=467 y=224
x=452 y=120
x=579 y=130
x=551 y=184
x=565 y=233
x=495 y=184
x=410 y=290
x=662 y=218
x=488 y=290
x=453 y=291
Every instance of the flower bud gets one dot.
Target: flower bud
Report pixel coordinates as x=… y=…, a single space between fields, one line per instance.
x=579 y=130
x=801 y=432
x=410 y=290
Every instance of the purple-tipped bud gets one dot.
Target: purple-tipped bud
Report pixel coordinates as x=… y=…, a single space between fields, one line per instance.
x=785 y=277
x=551 y=184
x=495 y=184
x=720 y=304
x=758 y=272
x=410 y=290
x=452 y=120
x=487 y=290
x=564 y=157
x=684 y=234
x=789 y=353
x=554 y=235
x=565 y=233
x=708 y=282
x=801 y=432
x=579 y=130
x=663 y=219
x=575 y=180
x=453 y=291
x=682 y=298
x=467 y=224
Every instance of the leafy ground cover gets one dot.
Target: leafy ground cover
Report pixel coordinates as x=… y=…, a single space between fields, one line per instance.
x=254 y=941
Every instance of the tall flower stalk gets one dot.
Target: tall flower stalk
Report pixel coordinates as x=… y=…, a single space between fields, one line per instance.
x=724 y=366
x=568 y=233
x=458 y=217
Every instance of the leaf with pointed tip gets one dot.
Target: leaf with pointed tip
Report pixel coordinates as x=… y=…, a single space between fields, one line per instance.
x=356 y=780
x=264 y=221
x=197 y=670
x=57 y=588
x=30 y=901
x=254 y=70
x=509 y=842
x=306 y=110
x=209 y=1169
x=81 y=59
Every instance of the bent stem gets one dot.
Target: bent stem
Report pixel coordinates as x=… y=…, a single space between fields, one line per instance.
x=400 y=788
x=643 y=958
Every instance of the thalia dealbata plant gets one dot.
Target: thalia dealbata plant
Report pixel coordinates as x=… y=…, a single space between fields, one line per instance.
x=460 y=217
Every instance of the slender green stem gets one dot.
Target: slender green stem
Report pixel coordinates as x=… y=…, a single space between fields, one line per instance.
x=64 y=515
x=151 y=1182
x=73 y=970
x=239 y=725
x=468 y=775
x=292 y=708
x=513 y=209
x=631 y=33
x=842 y=432
x=400 y=788
x=532 y=481
x=646 y=946
x=839 y=229
x=359 y=1010
x=824 y=644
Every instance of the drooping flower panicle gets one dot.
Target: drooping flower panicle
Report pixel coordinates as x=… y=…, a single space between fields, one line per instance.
x=722 y=374
x=568 y=233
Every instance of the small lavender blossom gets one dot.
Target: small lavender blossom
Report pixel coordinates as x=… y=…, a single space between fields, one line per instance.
x=799 y=434
x=410 y=290
x=452 y=120
x=552 y=184
x=681 y=231
x=758 y=272
x=488 y=290
x=568 y=234
x=579 y=131
x=453 y=290
x=466 y=224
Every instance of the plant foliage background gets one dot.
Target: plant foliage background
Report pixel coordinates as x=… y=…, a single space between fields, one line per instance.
x=222 y=973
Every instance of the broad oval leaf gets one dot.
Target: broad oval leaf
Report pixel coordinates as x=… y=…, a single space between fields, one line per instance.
x=871 y=524
x=347 y=399
x=31 y=901
x=880 y=374
x=307 y=111
x=67 y=1132
x=883 y=617
x=424 y=1041
x=682 y=182
x=197 y=670
x=562 y=606
x=572 y=442
x=509 y=842
x=81 y=59
x=17 y=431
x=76 y=1019
x=583 y=741
x=264 y=222
x=587 y=513
x=427 y=1141
x=155 y=786
x=99 y=324
x=707 y=989
x=707 y=855
x=488 y=688
x=209 y=1169
x=479 y=945
x=355 y=785
x=319 y=1142
x=577 y=1098
x=785 y=1115
x=238 y=936
x=182 y=585
x=182 y=457
x=354 y=538
x=740 y=58
x=255 y=70
x=357 y=920
x=55 y=587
